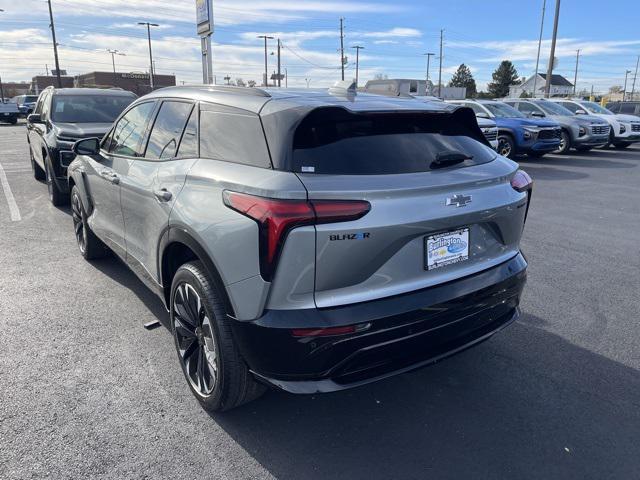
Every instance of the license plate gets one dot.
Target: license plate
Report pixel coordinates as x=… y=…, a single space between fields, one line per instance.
x=446 y=248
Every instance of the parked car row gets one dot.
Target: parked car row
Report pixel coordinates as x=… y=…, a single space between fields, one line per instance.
x=306 y=240
x=539 y=126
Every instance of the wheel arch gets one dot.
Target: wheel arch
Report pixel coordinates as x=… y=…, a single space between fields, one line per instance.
x=177 y=247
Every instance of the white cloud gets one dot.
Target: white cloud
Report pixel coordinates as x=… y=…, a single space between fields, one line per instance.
x=393 y=33
x=386 y=42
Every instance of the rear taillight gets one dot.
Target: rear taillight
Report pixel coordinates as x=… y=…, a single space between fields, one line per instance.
x=522 y=182
x=277 y=217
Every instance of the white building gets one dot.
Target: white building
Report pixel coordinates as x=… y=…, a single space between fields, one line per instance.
x=560 y=86
x=416 y=88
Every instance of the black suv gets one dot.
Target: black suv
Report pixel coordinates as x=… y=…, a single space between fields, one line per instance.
x=61 y=117
x=628 y=107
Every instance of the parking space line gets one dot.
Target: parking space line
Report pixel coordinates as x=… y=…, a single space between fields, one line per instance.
x=13 y=206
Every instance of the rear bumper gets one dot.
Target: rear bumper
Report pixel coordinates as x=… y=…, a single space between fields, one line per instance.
x=394 y=335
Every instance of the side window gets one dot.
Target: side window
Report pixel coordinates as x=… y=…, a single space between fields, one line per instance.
x=233 y=135
x=38 y=108
x=571 y=106
x=167 y=129
x=46 y=105
x=128 y=132
x=189 y=143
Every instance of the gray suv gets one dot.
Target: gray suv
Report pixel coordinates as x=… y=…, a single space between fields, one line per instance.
x=306 y=240
x=582 y=132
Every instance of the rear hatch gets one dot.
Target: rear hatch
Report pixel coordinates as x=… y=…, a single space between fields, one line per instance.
x=429 y=222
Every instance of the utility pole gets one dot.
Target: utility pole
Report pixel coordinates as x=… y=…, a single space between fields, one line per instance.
x=279 y=76
x=1 y=89
x=286 y=78
x=429 y=55
x=266 y=73
x=547 y=86
x=440 y=69
x=113 y=61
x=624 y=90
x=342 y=46
x=358 y=48
x=149 y=25
x=55 y=45
x=575 y=78
x=633 y=85
x=535 y=77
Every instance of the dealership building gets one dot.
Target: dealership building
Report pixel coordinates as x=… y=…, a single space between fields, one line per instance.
x=137 y=83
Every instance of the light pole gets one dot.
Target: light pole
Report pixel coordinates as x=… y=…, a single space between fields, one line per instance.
x=624 y=90
x=113 y=53
x=266 y=73
x=55 y=45
x=1 y=89
x=535 y=76
x=547 y=85
x=358 y=48
x=633 y=85
x=149 y=25
x=428 y=55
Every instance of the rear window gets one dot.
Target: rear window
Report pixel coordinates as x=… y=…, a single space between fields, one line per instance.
x=88 y=108
x=334 y=141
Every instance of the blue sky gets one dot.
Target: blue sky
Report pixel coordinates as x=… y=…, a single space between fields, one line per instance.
x=395 y=34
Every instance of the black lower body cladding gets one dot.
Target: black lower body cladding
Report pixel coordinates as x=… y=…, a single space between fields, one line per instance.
x=392 y=335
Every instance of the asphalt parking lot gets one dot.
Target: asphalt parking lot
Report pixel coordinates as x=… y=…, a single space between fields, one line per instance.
x=87 y=392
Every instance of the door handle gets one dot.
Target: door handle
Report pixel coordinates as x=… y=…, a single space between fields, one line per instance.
x=163 y=195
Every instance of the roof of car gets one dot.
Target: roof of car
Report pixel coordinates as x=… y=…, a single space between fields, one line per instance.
x=254 y=99
x=93 y=91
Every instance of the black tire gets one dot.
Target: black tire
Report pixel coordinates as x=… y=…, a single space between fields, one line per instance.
x=220 y=379
x=91 y=247
x=56 y=197
x=584 y=149
x=13 y=120
x=565 y=143
x=38 y=173
x=620 y=146
x=506 y=145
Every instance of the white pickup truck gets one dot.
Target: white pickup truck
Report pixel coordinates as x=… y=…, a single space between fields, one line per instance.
x=9 y=112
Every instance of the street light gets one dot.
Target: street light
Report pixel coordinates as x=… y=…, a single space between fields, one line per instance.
x=113 y=61
x=149 y=25
x=358 y=48
x=428 y=55
x=624 y=90
x=266 y=73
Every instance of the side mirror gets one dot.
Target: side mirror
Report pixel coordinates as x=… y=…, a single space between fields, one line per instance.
x=34 y=118
x=482 y=115
x=87 y=146
x=537 y=114
x=581 y=112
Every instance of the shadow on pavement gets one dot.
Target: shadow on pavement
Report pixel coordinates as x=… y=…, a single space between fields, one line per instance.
x=526 y=404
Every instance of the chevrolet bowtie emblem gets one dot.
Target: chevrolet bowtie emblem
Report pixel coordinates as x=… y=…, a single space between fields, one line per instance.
x=458 y=200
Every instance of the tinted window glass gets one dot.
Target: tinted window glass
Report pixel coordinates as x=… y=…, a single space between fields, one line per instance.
x=476 y=108
x=232 y=135
x=167 y=129
x=627 y=108
x=189 y=143
x=527 y=108
x=46 y=106
x=593 y=107
x=38 y=108
x=553 y=108
x=502 y=110
x=128 y=133
x=337 y=142
x=88 y=108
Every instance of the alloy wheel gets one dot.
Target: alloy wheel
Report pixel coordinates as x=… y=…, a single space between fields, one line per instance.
x=504 y=147
x=195 y=340
x=78 y=223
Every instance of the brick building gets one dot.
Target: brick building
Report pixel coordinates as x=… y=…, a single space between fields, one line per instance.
x=40 y=82
x=137 y=83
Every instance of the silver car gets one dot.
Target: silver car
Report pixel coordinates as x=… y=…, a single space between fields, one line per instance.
x=308 y=240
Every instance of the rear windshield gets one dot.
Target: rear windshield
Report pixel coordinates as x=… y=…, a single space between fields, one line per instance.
x=333 y=141
x=88 y=108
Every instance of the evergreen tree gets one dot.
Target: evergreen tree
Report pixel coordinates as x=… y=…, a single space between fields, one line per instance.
x=504 y=76
x=463 y=78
